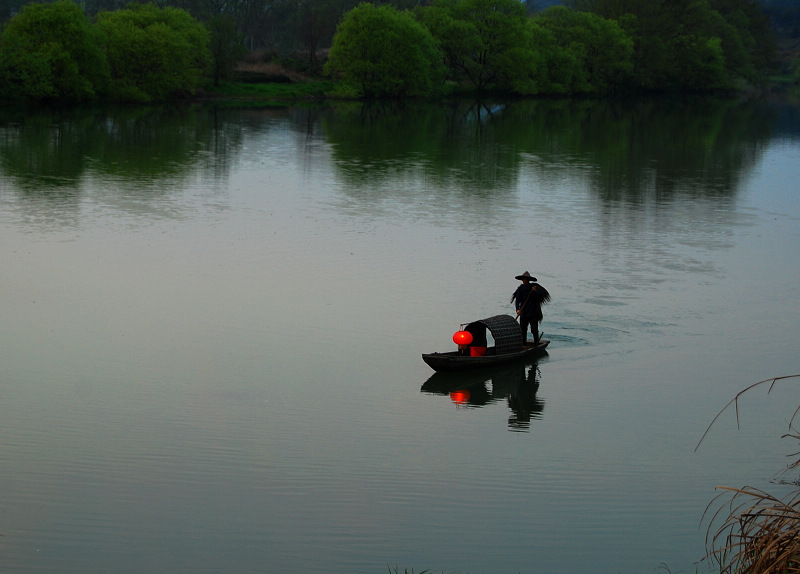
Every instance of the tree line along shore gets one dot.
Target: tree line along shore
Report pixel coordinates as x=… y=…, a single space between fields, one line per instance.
x=69 y=51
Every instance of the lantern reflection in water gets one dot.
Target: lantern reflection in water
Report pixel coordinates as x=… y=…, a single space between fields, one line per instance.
x=460 y=397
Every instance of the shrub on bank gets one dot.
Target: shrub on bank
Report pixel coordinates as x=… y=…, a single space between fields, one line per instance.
x=153 y=53
x=384 y=52
x=52 y=52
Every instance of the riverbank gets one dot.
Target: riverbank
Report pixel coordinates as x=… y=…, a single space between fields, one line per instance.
x=273 y=84
x=283 y=93
x=270 y=91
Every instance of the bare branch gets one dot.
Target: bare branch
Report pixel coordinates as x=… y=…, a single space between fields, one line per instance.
x=735 y=402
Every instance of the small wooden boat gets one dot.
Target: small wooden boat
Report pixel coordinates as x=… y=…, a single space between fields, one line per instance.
x=507 y=347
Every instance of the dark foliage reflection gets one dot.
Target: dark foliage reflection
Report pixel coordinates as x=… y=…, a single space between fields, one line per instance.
x=629 y=151
x=426 y=157
x=51 y=151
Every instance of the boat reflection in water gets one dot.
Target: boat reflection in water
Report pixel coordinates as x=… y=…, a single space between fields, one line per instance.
x=517 y=384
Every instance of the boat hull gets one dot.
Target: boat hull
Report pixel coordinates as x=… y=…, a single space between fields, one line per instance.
x=454 y=361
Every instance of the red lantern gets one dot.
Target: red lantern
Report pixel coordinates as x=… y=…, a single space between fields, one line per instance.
x=462 y=338
x=460 y=397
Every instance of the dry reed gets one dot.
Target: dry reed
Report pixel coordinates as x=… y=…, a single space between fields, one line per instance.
x=759 y=533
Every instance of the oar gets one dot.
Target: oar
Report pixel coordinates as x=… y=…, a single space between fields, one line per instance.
x=523 y=305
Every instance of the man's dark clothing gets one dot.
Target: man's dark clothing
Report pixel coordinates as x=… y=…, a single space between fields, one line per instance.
x=528 y=299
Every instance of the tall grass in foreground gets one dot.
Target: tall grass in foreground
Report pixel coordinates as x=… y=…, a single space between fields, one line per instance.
x=759 y=533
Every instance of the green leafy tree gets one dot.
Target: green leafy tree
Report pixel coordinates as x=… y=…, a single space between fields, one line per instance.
x=486 y=43
x=750 y=43
x=521 y=69
x=691 y=44
x=559 y=67
x=597 y=52
x=383 y=52
x=50 y=52
x=699 y=65
x=154 y=53
x=681 y=49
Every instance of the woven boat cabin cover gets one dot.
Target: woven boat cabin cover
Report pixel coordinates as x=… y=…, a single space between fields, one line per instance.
x=504 y=329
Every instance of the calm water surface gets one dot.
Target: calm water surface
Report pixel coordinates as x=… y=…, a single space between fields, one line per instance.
x=212 y=323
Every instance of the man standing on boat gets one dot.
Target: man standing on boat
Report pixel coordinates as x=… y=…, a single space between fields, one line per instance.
x=528 y=299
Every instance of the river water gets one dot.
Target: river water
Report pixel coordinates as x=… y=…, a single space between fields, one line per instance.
x=212 y=321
